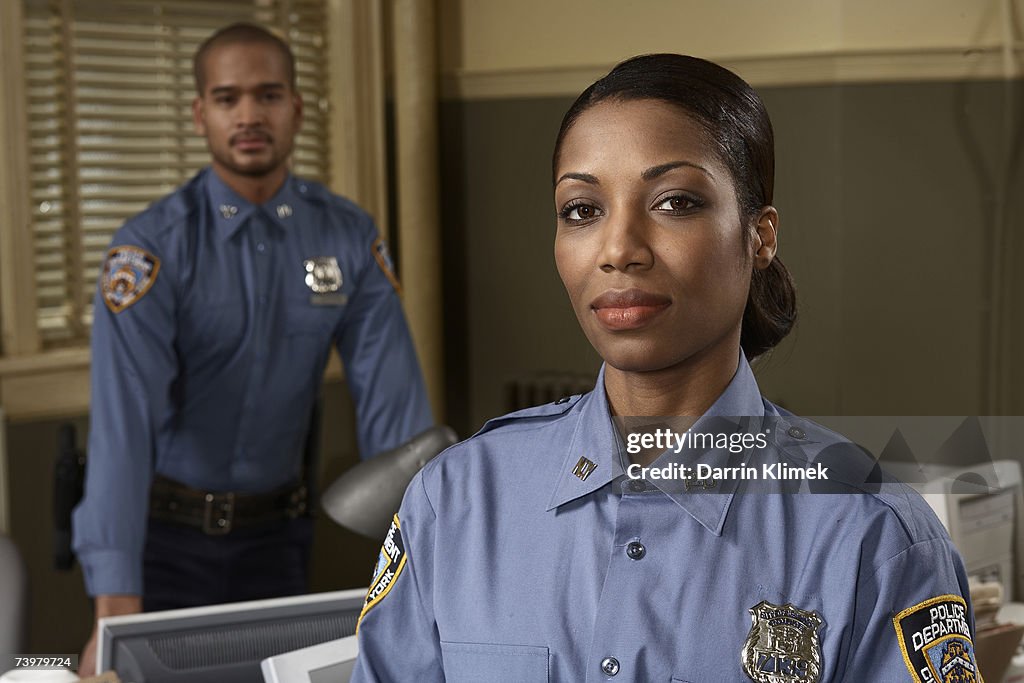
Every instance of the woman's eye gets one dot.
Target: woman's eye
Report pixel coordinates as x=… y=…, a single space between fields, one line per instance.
x=677 y=204
x=578 y=212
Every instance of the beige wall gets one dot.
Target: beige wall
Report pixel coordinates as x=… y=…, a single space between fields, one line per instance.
x=495 y=35
x=492 y=49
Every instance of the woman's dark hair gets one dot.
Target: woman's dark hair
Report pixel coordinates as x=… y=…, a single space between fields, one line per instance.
x=735 y=119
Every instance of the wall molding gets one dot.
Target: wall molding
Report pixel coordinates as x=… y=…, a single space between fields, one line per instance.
x=841 y=67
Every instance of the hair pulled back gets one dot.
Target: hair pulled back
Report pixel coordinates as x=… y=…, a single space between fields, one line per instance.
x=737 y=123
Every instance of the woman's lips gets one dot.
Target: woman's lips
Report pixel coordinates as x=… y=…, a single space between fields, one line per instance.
x=628 y=309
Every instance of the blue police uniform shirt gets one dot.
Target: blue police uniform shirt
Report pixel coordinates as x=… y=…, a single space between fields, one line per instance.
x=511 y=559
x=208 y=370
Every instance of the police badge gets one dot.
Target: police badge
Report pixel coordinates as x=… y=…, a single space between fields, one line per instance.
x=323 y=274
x=783 y=645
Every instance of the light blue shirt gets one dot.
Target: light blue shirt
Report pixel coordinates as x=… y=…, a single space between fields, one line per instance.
x=517 y=569
x=210 y=374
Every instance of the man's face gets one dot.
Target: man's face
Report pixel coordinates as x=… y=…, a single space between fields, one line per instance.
x=247 y=112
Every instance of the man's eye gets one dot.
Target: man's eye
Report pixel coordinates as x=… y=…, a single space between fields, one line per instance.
x=271 y=97
x=677 y=204
x=224 y=99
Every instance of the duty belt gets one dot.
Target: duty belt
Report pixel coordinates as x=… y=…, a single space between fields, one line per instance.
x=218 y=512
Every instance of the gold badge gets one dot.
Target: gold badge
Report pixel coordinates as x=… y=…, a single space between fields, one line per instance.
x=782 y=645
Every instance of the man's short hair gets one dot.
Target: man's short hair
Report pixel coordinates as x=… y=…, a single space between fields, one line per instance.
x=235 y=34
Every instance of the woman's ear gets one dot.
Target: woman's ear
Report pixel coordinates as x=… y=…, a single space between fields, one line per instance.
x=766 y=239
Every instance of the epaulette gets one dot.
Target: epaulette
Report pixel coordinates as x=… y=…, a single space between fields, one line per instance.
x=546 y=410
x=807 y=442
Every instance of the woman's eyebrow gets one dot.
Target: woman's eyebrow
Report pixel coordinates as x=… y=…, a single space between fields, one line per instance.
x=585 y=177
x=655 y=171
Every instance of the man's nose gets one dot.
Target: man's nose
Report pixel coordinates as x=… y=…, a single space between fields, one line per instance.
x=250 y=111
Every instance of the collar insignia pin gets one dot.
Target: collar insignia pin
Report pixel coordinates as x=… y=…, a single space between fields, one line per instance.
x=228 y=211
x=584 y=468
x=284 y=210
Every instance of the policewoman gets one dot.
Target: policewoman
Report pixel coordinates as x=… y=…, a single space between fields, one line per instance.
x=214 y=317
x=527 y=553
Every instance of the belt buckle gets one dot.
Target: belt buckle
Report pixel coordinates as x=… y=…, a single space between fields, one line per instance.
x=217 y=522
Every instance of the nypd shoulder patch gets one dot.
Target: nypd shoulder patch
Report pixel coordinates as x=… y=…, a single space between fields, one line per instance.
x=935 y=640
x=389 y=566
x=128 y=273
x=383 y=258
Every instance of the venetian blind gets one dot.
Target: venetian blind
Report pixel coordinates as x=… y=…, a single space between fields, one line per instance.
x=110 y=90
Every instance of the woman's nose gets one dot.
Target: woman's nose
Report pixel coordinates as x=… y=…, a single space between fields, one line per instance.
x=626 y=243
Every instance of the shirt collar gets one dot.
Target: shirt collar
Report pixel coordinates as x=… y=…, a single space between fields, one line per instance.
x=597 y=439
x=231 y=211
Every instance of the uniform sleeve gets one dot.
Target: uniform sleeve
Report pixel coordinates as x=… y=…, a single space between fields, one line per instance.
x=380 y=362
x=398 y=635
x=133 y=366
x=913 y=615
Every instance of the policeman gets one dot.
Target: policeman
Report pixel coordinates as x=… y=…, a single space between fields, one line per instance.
x=214 y=317
x=538 y=550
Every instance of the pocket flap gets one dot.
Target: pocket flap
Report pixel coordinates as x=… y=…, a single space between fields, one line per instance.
x=494 y=663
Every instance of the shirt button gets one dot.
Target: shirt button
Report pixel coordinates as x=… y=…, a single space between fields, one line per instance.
x=610 y=666
x=637 y=485
x=260 y=247
x=796 y=433
x=636 y=550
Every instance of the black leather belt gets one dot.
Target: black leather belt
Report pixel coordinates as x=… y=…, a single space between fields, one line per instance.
x=218 y=512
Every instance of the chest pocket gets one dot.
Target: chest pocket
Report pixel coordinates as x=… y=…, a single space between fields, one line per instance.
x=472 y=662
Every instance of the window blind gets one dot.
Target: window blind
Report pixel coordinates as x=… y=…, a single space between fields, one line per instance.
x=109 y=101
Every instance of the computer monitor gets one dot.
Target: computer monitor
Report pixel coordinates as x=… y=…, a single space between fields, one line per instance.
x=330 y=662
x=982 y=508
x=222 y=643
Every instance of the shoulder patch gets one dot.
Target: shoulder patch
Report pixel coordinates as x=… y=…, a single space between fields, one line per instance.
x=128 y=273
x=383 y=258
x=935 y=640
x=389 y=566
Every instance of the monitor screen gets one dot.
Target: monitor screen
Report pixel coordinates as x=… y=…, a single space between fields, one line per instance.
x=222 y=643
x=325 y=663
